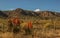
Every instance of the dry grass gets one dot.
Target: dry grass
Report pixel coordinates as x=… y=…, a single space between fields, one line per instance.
x=41 y=29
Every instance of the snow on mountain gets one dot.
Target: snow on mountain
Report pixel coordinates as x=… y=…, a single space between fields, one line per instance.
x=36 y=10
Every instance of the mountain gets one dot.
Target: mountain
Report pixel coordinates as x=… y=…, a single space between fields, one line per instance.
x=20 y=12
x=46 y=13
x=3 y=15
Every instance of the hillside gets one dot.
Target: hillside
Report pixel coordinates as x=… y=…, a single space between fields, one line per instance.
x=20 y=12
x=3 y=15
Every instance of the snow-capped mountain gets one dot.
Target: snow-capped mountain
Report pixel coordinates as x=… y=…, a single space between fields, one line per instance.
x=36 y=10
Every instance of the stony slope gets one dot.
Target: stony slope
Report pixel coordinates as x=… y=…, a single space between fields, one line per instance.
x=19 y=12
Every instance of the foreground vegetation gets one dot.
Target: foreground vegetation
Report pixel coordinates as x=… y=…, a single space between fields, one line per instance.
x=42 y=28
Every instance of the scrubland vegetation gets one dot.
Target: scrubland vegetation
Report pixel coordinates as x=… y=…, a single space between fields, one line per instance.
x=41 y=28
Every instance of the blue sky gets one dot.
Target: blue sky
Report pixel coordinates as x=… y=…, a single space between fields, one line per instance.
x=52 y=5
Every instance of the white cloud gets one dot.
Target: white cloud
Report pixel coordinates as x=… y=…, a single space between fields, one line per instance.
x=36 y=10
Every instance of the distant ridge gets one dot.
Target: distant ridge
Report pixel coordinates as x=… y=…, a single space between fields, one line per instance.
x=18 y=12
